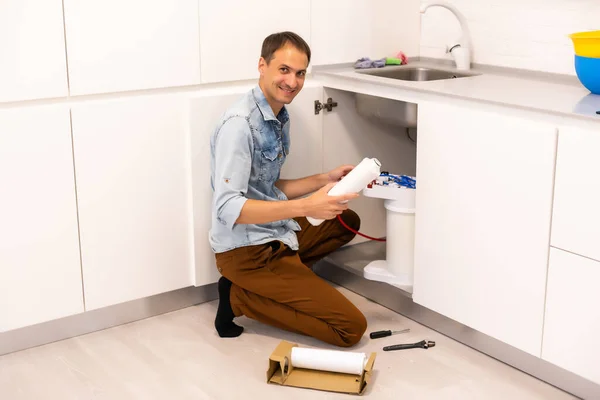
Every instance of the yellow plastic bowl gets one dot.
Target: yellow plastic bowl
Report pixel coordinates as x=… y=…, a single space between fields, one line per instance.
x=587 y=44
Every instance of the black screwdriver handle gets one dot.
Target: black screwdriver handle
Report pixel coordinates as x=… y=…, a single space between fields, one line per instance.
x=380 y=334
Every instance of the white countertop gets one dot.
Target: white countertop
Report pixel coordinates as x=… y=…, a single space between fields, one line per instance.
x=547 y=93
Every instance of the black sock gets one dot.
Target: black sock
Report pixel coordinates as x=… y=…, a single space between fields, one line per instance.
x=224 y=320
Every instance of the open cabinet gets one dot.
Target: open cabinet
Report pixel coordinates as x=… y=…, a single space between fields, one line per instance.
x=349 y=135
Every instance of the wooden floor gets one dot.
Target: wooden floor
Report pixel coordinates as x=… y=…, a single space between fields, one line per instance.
x=179 y=356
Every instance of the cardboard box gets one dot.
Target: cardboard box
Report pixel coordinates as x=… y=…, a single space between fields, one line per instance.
x=282 y=372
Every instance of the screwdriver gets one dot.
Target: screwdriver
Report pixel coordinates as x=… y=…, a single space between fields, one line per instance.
x=380 y=334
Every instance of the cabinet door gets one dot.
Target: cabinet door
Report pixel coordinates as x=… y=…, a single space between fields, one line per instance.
x=576 y=218
x=40 y=272
x=232 y=32
x=305 y=159
x=572 y=323
x=348 y=137
x=32 y=50
x=118 y=45
x=133 y=186
x=484 y=195
x=204 y=113
x=306 y=135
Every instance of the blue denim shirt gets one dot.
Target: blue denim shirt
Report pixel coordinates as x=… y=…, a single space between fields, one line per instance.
x=248 y=148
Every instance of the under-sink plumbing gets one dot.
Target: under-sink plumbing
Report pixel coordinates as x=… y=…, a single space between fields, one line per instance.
x=461 y=49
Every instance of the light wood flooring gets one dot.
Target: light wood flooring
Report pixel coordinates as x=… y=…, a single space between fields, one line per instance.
x=179 y=356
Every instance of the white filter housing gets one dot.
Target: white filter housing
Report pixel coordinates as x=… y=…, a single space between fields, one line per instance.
x=397 y=269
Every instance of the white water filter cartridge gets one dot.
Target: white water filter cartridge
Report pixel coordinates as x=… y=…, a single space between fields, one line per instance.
x=400 y=239
x=356 y=180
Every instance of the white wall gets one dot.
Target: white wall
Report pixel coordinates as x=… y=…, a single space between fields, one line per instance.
x=528 y=34
x=396 y=26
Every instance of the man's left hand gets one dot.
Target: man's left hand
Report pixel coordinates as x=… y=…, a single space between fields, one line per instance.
x=338 y=173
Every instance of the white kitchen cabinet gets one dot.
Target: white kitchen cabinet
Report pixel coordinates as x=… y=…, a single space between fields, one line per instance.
x=348 y=137
x=133 y=187
x=572 y=323
x=32 y=50
x=576 y=217
x=121 y=45
x=306 y=135
x=204 y=113
x=305 y=159
x=40 y=272
x=232 y=32
x=483 y=210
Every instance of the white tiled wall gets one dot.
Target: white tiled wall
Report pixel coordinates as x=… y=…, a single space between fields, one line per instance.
x=528 y=34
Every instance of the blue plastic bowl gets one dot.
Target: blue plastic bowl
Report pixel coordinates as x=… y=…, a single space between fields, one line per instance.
x=588 y=72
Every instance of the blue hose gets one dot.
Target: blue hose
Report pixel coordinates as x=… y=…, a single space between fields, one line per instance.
x=402 y=180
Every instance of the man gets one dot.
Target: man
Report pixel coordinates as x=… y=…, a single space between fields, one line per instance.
x=263 y=243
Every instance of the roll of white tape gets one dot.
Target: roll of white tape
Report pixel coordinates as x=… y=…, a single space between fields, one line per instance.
x=329 y=360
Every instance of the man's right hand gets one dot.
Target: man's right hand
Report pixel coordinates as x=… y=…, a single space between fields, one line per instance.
x=320 y=205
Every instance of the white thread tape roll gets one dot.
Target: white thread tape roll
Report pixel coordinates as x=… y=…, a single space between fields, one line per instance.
x=329 y=360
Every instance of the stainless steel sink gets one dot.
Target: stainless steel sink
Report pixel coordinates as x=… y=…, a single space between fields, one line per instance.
x=391 y=112
x=395 y=112
x=416 y=73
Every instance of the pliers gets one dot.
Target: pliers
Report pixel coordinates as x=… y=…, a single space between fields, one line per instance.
x=423 y=344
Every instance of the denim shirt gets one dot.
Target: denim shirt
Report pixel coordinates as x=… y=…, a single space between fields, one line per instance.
x=248 y=148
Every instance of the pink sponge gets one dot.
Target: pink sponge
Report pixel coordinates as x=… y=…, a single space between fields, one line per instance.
x=403 y=57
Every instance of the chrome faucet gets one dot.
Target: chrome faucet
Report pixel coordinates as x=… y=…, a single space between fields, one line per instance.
x=461 y=50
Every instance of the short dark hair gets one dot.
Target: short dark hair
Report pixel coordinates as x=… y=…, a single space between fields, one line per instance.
x=275 y=41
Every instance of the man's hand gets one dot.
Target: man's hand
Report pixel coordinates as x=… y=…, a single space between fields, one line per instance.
x=338 y=173
x=295 y=188
x=322 y=206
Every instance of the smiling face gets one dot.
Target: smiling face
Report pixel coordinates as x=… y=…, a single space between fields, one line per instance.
x=282 y=77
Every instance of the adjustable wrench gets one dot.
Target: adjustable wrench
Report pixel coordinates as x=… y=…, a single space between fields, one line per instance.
x=423 y=344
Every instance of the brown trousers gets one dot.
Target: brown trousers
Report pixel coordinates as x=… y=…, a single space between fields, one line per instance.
x=276 y=286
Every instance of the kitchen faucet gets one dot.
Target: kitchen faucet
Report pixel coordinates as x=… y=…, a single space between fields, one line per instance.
x=461 y=51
